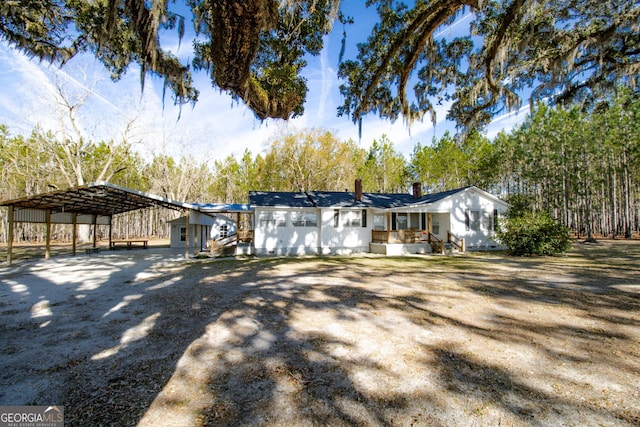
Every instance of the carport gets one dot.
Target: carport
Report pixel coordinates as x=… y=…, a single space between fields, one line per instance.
x=93 y=203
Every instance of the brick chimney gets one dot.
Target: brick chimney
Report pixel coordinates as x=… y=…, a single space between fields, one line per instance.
x=417 y=190
x=359 y=189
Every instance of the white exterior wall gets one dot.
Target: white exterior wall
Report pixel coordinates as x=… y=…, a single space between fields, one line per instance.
x=324 y=238
x=176 y=241
x=341 y=239
x=286 y=239
x=443 y=220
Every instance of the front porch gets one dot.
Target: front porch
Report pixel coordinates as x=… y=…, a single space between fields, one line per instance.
x=396 y=242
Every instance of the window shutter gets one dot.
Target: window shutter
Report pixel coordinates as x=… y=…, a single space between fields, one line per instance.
x=467 y=219
x=364 y=218
x=336 y=218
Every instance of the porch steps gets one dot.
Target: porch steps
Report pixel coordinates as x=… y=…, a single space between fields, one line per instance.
x=224 y=246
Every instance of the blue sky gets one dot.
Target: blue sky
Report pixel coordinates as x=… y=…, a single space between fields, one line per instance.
x=216 y=127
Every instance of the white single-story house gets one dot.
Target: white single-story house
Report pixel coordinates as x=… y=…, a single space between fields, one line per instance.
x=322 y=222
x=203 y=227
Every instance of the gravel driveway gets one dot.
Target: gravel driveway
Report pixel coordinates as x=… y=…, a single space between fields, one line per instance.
x=143 y=337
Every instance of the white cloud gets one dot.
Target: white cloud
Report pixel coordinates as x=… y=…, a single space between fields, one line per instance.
x=507 y=121
x=215 y=127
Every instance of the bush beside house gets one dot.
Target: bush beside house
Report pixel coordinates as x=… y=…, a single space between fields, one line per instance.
x=527 y=233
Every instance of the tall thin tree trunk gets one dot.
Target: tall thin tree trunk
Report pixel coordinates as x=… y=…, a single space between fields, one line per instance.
x=627 y=197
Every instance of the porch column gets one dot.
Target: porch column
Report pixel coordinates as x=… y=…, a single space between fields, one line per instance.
x=429 y=222
x=195 y=239
x=186 y=237
x=47 y=246
x=10 y=236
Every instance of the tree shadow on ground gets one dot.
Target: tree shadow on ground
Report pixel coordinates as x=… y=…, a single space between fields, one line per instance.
x=342 y=342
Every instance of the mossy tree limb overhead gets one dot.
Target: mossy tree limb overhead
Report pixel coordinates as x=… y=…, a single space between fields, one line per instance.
x=555 y=50
x=253 y=49
x=558 y=51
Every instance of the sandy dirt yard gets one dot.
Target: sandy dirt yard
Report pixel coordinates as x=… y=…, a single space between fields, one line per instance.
x=146 y=338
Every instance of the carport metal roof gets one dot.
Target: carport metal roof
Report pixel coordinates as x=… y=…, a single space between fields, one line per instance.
x=97 y=198
x=93 y=203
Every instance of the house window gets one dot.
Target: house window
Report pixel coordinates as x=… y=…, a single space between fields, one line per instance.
x=414 y=221
x=486 y=221
x=378 y=222
x=273 y=219
x=495 y=220
x=403 y=221
x=224 y=231
x=351 y=218
x=472 y=220
x=435 y=226
x=183 y=234
x=304 y=219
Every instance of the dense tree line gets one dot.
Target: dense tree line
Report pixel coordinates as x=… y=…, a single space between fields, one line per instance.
x=582 y=168
x=293 y=161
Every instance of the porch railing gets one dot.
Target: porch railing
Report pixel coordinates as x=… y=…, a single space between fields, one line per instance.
x=417 y=236
x=245 y=235
x=379 y=236
x=398 y=236
x=455 y=241
x=437 y=245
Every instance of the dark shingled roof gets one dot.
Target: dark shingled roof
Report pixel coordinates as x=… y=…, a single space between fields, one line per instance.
x=342 y=199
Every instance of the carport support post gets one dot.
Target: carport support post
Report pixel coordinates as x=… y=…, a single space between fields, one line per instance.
x=95 y=226
x=10 y=236
x=110 y=229
x=47 y=247
x=74 y=232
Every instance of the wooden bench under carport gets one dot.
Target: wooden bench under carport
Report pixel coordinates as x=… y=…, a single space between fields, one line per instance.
x=129 y=243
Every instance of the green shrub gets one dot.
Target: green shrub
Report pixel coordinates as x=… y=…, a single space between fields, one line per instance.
x=533 y=233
